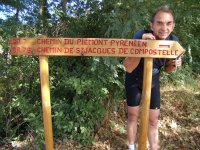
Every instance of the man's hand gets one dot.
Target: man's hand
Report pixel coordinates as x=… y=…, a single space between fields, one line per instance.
x=172 y=64
x=148 y=36
x=131 y=63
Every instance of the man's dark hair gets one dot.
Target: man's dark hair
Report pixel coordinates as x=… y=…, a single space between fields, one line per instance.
x=163 y=9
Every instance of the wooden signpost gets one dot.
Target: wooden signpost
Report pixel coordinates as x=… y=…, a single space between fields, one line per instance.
x=44 y=47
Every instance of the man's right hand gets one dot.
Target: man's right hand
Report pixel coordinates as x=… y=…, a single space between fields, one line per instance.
x=148 y=36
x=131 y=63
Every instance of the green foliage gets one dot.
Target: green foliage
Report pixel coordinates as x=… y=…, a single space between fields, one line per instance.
x=79 y=92
x=19 y=98
x=181 y=77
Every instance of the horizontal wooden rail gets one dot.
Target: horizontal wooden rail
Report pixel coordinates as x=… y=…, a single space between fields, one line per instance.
x=96 y=47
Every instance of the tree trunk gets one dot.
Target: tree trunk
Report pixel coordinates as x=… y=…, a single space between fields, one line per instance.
x=43 y=9
x=17 y=15
x=64 y=3
x=43 y=13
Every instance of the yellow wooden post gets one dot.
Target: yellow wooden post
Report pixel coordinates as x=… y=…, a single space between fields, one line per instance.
x=46 y=103
x=146 y=95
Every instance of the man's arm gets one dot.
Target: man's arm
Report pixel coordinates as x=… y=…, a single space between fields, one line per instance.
x=131 y=63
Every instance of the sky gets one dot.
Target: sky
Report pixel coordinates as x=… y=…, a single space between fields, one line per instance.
x=6 y=11
x=2 y=16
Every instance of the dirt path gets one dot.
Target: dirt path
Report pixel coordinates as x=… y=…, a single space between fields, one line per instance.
x=179 y=125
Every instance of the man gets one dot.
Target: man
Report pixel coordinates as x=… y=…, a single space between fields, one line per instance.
x=162 y=24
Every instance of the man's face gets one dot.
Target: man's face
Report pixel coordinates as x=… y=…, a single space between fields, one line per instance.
x=163 y=25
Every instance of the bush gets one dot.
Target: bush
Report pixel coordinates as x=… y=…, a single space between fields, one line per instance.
x=79 y=91
x=182 y=76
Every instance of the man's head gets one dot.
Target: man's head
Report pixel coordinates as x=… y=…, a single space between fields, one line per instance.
x=162 y=23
